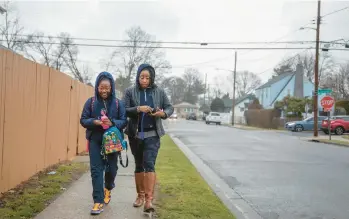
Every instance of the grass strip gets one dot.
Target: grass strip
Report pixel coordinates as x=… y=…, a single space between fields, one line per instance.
x=183 y=193
x=336 y=142
x=33 y=196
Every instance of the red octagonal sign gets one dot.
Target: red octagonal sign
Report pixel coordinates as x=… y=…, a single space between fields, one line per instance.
x=327 y=102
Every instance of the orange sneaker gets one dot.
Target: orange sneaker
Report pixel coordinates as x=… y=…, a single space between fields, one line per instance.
x=107 y=196
x=97 y=209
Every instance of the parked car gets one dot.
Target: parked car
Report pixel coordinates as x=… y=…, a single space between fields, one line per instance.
x=173 y=116
x=338 y=125
x=214 y=117
x=191 y=116
x=304 y=125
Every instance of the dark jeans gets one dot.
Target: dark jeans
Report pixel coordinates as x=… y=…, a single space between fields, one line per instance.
x=98 y=166
x=145 y=153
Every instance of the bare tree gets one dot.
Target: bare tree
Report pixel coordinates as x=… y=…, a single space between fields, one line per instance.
x=11 y=29
x=59 y=53
x=342 y=81
x=194 y=85
x=246 y=82
x=70 y=57
x=43 y=49
x=326 y=65
x=174 y=87
x=140 y=48
x=284 y=66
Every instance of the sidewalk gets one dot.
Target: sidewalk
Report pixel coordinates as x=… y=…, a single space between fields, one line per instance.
x=76 y=202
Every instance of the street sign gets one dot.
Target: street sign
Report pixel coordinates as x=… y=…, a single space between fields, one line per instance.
x=327 y=102
x=324 y=91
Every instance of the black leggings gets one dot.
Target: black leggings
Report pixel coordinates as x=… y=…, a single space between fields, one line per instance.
x=145 y=153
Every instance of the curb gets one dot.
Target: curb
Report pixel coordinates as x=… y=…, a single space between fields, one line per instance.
x=331 y=143
x=231 y=199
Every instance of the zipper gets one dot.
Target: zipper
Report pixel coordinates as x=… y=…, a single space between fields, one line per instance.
x=105 y=106
x=145 y=95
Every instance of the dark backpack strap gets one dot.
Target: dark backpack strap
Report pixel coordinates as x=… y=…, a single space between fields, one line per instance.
x=92 y=103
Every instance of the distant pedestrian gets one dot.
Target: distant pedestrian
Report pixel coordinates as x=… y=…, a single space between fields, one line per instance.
x=100 y=112
x=146 y=105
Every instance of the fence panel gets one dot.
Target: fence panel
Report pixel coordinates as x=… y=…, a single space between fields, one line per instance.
x=2 y=108
x=57 y=118
x=41 y=107
x=11 y=173
x=73 y=119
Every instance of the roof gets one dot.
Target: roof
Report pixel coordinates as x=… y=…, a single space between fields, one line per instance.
x=185 y=105
x=282 y=89
x=247 y=96
x=275 y=79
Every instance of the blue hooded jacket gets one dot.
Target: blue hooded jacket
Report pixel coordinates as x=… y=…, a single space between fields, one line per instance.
x=116 y=115
x=146 y=122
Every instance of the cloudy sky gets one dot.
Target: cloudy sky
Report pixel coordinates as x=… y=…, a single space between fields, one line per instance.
x=192 y=20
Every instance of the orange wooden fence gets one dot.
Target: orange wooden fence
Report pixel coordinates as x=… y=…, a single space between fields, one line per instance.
x=39 y=118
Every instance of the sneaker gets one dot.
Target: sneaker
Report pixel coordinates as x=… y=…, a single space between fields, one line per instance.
x=97 y=209
x=107 y=196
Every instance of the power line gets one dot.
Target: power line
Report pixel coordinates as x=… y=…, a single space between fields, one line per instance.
x=169 y=47
x=173 y=42
x=336 y=11
x=292 y=57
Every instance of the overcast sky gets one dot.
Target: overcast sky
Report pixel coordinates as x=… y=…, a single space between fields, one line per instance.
x=192 y=20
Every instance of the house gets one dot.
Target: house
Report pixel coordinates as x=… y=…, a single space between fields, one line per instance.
x=288 y=83
x=184 y=108
x=241 y=105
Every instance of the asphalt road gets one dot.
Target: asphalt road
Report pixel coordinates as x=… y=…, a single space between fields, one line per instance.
x=278 y=174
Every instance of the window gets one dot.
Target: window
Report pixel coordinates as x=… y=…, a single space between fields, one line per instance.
x=214 y=114
x=242 y=109
x=309 y=119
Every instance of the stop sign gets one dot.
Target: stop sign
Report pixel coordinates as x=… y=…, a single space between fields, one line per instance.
x=327 y=102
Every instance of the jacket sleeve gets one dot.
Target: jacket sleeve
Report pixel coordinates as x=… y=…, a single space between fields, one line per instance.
x=121 y=120
x=86 y=120
x=131 y=111
x=166 y=105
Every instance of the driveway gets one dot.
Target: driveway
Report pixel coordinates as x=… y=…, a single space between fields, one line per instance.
x=278 y=174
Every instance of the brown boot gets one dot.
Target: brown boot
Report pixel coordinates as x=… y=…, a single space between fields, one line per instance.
x=139 y=178
x=149 y=185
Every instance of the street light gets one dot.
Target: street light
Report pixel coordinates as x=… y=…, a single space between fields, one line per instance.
x=303 y=28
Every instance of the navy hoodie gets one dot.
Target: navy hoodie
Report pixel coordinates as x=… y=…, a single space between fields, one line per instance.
x=146 y=122
x=116 y=115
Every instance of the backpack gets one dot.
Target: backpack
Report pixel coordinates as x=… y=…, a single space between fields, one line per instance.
x=113 y=140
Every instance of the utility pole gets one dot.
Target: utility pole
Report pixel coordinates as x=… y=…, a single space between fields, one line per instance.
x=233 y=106
x=316 y=80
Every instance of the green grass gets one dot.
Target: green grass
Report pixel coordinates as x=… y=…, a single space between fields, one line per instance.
x=338 y=142
x=183 y=193
x=346 y=136
x=31 y=197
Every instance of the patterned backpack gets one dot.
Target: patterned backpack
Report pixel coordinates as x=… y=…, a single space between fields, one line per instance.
x=113 y=140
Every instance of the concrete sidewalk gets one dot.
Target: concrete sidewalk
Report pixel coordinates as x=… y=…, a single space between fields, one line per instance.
x=76 y=202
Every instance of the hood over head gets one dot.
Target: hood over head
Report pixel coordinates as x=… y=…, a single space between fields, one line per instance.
x=151 y=71
x=105 y=75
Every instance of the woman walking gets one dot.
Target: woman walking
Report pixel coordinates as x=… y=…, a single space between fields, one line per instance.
x=104 y=103
x=146 y=105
